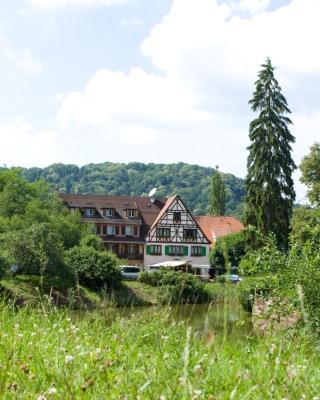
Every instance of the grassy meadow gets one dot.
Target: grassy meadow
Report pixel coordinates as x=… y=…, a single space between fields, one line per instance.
x=50 y=353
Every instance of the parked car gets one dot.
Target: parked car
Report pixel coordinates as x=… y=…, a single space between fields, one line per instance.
x=233 y=278
x=130 y=272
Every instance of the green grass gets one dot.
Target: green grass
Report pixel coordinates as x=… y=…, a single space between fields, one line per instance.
x=99 y=355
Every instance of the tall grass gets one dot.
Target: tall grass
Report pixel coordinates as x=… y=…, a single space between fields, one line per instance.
x=49 y=353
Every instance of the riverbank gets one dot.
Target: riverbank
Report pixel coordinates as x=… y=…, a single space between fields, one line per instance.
x=61 y=354
x=32 y=290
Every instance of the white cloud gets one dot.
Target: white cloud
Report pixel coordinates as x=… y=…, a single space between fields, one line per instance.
x=251 y=6
x=46 y=4
x=194 y=107
x=21 y=59
x=22 y=145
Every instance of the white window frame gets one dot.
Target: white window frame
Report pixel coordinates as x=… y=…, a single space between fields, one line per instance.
x=129 y=230
x=131 y=213
x=111 y=230
x=108 y=212
x=89 y=212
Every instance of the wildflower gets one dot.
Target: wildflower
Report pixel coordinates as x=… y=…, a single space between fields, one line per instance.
x=52 y=390
x=13 y=386
x=68 y=359
x=272 y=349
x=162 y=397
x=164 y=337
x=291 y=371
x=41 y=397
x=197 y=368
x=24 y=368
x=16 y=326
x=197 y=393
x=277 y=361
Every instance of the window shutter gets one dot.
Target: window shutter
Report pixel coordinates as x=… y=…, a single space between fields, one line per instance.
x=123 y=230
x=185 y=251
x=117 y=230
x=203 y=251
x=166 y=250
x=136 y=231
x=148 y=250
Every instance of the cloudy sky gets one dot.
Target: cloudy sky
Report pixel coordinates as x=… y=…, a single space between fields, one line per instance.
x=150 y=80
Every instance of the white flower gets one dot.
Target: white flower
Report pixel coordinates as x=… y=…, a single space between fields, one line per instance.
x=52 y=390
x=68 y=359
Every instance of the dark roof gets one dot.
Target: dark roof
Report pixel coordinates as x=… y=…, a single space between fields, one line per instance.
x=148 y=211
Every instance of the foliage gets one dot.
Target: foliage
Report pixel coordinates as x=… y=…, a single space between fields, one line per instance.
x=305 y=226
x=94 y=268
x=93 y=241
x=4 y=266
x=35 y=227
x=217 y=195
x=148 y=355
x=267 y=260
x=38 y=251
x=227 y=249
x=191 y=182
x=270 y=192
x=176 y=286
x=310 y=169
x=256 y=286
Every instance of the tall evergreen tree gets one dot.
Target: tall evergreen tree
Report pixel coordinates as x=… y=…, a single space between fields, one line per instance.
x=270 y=192
x=217 y=194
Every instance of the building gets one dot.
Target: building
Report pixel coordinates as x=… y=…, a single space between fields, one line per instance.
x=176 y=237
x=122 y=222
x=152 y=232
x=216 y=226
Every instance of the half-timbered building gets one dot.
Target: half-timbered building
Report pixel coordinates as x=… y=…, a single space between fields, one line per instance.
x=175 y=236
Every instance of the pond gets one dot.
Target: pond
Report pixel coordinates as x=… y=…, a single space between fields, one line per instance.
x=227 y=320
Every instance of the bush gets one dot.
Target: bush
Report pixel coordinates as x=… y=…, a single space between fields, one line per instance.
x=93 y=241
x=176 y=287
x=4 y=266
x=228 y=249
x=94 y=268
x=253 y=287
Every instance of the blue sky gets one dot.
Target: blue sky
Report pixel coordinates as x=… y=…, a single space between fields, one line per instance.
x=150 y=80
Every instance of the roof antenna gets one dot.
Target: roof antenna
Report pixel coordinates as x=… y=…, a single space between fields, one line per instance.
x=152 y=195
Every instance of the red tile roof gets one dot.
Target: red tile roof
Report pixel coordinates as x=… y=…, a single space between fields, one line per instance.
x=216 y=226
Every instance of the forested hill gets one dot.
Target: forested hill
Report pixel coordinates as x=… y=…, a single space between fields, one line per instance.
x=191 y=182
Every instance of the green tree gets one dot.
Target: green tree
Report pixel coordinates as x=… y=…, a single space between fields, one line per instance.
x=93 y=268
x=310 y=169
x=217 y=194
x=270 y=193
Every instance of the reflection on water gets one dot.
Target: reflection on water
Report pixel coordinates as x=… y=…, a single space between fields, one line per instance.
x=228 y=319
x=222 y=319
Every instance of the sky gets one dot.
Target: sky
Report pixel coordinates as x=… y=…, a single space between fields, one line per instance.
x=88 y=81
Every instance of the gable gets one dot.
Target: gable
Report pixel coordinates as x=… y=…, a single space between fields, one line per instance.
x=175 y=224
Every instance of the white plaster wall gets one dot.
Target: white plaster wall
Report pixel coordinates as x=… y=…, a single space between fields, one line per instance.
x=150 y=259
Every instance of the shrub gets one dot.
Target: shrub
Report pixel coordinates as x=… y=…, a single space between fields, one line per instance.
x=4 y=266
x=230 y=248
x=253 y=287
x=94 y=268
x=176 y=286
x=93 y=241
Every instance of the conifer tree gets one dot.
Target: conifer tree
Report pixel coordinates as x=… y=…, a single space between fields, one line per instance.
x=270 y=192
x=217 y=194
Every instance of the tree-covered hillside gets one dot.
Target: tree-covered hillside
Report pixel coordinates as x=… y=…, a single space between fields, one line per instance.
x=191 y=182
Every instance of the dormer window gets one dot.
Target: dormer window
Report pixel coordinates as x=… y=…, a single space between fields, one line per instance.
x=132 y=213
x=108 y=212
x=89 y=212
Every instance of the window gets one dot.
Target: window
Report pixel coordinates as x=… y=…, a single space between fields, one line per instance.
x=89 y=212
x=111 y=230
x=155 y=250
x=131 y=213
x=131 y=249
x=129 y=230
x=108 y=212
x=163 y=232
x=196 y=251
x=176 y=250
x=190 y=234
x=176 y=217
